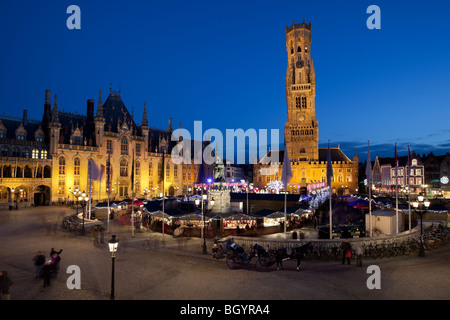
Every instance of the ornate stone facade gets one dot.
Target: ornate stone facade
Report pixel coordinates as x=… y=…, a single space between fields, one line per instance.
x=301 y=130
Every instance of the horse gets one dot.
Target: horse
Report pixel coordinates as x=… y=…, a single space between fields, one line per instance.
x=290 y=253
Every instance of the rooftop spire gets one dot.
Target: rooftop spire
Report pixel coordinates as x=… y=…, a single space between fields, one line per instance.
x=144 y=116
x=55 y=113
x=100 y=105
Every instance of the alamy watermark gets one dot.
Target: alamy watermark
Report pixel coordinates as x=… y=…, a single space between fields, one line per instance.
x=190 y=148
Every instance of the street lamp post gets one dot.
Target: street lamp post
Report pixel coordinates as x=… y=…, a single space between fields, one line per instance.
x=83 y=195
x=113 y=244
x=210 y=202
x=421 y=207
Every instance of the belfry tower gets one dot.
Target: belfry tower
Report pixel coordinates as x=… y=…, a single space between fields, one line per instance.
x=301 y=130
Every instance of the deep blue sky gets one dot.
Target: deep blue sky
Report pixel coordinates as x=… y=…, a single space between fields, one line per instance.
x=224 y=62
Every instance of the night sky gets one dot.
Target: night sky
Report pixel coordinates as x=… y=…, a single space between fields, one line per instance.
x=224 y=63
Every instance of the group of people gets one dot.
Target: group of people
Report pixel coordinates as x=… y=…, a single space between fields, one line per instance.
x=45 y=268
x=98 y=235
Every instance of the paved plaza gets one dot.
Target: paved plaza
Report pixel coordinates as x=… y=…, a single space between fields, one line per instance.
x=177 y=270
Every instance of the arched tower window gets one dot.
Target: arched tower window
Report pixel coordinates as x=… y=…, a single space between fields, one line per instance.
x=123 y=168
x=124 y=145
x=150 y=168
x=137 y=168
x=62 y=165
x=76 y=166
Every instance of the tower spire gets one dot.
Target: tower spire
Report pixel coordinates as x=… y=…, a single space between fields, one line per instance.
x=100 y=105
x=144 y=115
x=55 y=113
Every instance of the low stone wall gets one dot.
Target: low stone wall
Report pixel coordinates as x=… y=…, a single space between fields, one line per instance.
x=268 y=243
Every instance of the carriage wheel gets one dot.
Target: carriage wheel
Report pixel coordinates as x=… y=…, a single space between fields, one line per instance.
x=233 y=262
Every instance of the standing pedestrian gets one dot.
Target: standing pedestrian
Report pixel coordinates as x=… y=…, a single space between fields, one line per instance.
x=55 y=259
x=5 y=283
x=46 y=273
x=95 y=235
x=39 y=260
x=359 y=251
x=346 y=251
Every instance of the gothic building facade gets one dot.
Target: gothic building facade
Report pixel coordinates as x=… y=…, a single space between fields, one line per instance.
x=44 y=162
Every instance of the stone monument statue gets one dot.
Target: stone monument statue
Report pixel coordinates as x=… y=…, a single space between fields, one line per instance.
x=219 y=170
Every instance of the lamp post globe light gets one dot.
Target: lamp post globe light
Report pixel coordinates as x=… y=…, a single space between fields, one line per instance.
x=421 y=207
x=113 y=244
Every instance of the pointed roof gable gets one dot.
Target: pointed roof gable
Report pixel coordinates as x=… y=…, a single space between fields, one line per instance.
x=115 y=113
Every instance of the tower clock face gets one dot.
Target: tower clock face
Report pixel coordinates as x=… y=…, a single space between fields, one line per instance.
x=301 y=118
x=299 y=64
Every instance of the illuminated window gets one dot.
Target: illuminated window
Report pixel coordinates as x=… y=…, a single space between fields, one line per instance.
x=168 y=170
x=137 y=168
x=124 y=145
x=62 y=165
x=123 y=168
x=76 y=166
x=150 y=168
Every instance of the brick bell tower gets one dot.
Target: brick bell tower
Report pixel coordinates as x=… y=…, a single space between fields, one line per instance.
x=301 y=130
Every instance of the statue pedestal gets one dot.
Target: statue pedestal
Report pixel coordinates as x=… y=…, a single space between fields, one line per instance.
x=222 y=202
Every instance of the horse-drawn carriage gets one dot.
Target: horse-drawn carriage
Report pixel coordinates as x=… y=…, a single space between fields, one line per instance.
x=260 y=258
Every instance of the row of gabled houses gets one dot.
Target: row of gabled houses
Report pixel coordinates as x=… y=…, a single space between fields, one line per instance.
x=428 y=174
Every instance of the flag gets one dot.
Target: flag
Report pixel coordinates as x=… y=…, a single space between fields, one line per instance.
x=132 y=173
x=409 y=157
x=108 y=172
x=286 y=174
x=368 y=165
x=94 y=172
x=396 y=164
x=408 y=172
x=329 y=166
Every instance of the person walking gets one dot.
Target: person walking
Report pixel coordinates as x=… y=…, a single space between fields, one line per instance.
x=359 y=251
x=55 y=259
x=95 y=235
x=5 y=283
x=46 y=273
x=346 y=251
x=39 y=260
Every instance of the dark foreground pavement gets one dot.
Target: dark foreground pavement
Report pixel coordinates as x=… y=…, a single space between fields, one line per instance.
x=177 y=269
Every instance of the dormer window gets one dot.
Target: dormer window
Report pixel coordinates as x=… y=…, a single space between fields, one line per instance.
x=21 y=133
x=39 y=135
